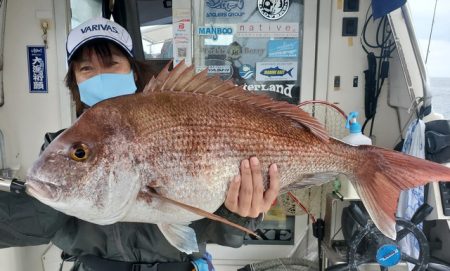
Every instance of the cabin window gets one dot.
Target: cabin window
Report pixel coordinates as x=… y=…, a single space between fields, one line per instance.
x=83 y=10
x=155 y=19
x=255 y=45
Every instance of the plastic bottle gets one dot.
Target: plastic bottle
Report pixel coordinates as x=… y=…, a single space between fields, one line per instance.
x=355 y=137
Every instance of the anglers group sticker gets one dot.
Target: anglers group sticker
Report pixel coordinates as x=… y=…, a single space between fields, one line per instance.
x=273 y=9
x=246 y=71
x=276 y=71
x=225 y=8
x=282 y=48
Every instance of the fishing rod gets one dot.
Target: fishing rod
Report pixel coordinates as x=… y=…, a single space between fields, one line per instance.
x=431 y=32
x=12 y=185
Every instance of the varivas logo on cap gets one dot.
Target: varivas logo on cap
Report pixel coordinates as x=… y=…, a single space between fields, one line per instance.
x=98 y=28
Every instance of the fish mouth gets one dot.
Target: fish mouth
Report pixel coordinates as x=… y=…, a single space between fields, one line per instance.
x=40 y=190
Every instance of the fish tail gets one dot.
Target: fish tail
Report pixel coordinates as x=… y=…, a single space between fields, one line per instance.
x=290 y=72
x=382 y=174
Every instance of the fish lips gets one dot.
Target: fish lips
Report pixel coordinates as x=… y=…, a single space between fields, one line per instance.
x=43 y=191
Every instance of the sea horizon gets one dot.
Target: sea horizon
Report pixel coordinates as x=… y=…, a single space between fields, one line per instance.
x=440 y=91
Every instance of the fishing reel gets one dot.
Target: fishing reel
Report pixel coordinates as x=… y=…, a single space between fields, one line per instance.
x=366 y=244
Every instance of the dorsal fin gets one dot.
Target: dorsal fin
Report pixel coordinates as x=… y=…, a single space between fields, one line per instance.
x=183 y=79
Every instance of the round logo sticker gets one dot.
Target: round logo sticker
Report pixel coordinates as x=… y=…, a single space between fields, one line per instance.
x=246 y=71
x=234 y=50
x=273 y=9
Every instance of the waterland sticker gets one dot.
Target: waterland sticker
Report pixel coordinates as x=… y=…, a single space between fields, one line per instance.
x=283 y=89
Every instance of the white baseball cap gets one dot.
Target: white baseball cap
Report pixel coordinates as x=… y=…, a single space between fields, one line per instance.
x=98 y=28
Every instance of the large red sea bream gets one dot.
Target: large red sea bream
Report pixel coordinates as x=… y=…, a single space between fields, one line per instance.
x=183 y=139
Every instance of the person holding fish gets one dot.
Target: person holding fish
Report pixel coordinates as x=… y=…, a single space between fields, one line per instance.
x=101 y=66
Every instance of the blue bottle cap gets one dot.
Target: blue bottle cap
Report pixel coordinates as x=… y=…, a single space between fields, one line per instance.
x=352 y=123
x=388 y=255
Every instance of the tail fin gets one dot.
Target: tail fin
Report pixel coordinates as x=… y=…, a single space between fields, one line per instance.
x=382 y=174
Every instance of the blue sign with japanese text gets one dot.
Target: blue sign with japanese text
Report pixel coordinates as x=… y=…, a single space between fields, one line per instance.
x=37 y=69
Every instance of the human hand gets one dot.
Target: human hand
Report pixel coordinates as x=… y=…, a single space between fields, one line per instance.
x=246 y=196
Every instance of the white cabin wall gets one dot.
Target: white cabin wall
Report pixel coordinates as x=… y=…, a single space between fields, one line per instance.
x=344 y=57
x=26 y=117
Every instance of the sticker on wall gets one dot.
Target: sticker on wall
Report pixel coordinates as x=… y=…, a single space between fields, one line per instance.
x=273 y=9
x=234 y=50
x=224 y=8
x=267 y=30
x=276 y=71
x=282 y=89
x=282 y=48
x=224 y=51
x=213 y=31
x=246 y=71
x=181 y=41
x=219 y=67
x=182 y=36
x=37 y=69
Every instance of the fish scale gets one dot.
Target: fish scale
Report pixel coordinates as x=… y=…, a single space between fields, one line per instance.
x=155 y=156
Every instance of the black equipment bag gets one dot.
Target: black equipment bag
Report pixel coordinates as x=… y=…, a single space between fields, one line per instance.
x=437 y=141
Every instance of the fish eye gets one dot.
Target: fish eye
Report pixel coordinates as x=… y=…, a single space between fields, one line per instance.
x=79 y=152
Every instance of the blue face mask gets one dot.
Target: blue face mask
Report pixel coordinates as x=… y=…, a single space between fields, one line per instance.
x=105 y=86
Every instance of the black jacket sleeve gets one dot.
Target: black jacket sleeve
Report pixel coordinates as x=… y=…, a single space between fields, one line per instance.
x=24 y=221
x=211 y=231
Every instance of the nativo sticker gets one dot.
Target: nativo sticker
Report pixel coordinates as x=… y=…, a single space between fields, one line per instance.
x=267 y=30
x=273 y=9
x=276 y=71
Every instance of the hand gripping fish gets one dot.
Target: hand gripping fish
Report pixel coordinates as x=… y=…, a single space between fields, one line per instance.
x=158 y=155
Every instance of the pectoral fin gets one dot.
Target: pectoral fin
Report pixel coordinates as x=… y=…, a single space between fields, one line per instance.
x=180 y=236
